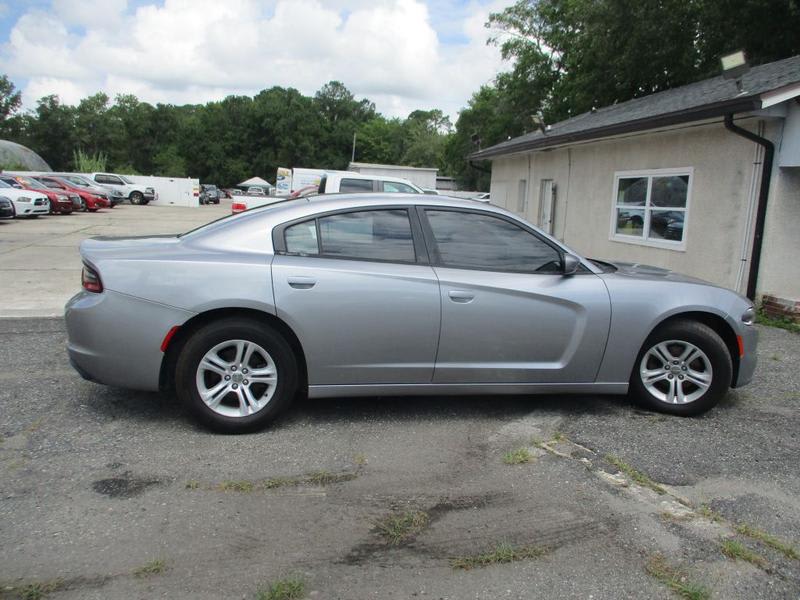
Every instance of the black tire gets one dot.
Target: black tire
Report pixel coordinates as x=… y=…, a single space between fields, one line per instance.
x=137 y=197
x=236 y=328
x=83 y=207
x=710 y=343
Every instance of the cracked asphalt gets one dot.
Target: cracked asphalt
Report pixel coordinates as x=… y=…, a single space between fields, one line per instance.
x=96 y=482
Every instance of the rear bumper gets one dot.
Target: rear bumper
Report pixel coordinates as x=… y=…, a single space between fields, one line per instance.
x=115 y=339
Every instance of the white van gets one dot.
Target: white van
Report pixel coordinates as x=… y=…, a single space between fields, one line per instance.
x=350 y=183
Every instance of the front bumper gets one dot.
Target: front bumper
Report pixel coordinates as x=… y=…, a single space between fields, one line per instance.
x=749 y=360
x=115 y=339
x=30 y=209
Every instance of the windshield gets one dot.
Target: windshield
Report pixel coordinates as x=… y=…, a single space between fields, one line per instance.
x=78 y=180
x=32 y=183
x=126 y=180
x=3 y=184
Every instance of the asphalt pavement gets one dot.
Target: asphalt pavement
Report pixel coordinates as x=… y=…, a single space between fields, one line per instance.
x=108 y=493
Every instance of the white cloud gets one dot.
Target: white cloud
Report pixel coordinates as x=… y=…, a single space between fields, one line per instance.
x=199 y=50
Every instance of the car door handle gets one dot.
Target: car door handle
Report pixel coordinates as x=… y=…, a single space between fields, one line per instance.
x=302 y=283
x=461 y=296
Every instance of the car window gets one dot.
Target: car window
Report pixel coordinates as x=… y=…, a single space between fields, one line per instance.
x=369 y=235
x=11 y=182
x=355 y=185
x=51 y=183
x=302 y=238
x=3 y=184
x=394 y=186
x=480 y=241
x=109 y=179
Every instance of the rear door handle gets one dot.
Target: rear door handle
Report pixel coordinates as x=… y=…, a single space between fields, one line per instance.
x=302 y=283
x=461 y=296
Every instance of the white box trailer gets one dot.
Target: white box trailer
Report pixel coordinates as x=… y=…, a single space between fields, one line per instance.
x=291 y=180
x=171 y=191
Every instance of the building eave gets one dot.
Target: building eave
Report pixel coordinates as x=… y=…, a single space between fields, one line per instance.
x=707 y=111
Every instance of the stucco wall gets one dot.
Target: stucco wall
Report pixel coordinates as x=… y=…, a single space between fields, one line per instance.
x=717 y=216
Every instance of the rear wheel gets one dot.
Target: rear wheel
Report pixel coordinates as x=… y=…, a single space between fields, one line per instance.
x=236 y=375
x=136 y=197
x=684 y=368
x=83 y=207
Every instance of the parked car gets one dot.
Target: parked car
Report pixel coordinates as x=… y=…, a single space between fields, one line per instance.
x=60 y=202
x=114 y=196
x=136 y=193
x=346 y=182
x=484 y=197
x=394 y=295
x=27 y=203
x=6 y=208
x=430 y=192
x=90 y=200
x=209 y=194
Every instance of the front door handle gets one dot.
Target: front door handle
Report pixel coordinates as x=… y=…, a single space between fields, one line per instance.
x=461 y=296
x=302 y=283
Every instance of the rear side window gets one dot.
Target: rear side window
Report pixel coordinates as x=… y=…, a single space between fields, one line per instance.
x=366 y=235
x=395 y=186
x=480 y=241
x=355 y=185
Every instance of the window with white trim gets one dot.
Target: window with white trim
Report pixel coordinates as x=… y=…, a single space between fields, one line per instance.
x=651 y=207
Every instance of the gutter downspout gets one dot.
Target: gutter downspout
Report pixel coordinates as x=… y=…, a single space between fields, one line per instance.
x=763 y=196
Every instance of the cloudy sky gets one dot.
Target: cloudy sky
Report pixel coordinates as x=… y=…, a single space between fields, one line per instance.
x=402 y=54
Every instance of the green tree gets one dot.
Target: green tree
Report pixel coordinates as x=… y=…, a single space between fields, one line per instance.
x=10 y=98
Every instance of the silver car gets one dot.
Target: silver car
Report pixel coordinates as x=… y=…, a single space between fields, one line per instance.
x=393 y=294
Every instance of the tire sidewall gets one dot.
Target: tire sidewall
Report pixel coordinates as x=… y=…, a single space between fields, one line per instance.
x=136 y=198
x=231 y=329
x=711 y=344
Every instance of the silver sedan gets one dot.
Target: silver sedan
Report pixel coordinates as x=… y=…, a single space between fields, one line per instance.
x=378 y=295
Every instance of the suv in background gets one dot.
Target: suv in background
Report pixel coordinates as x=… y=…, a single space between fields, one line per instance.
x=136 y=193
x=351 y=183
x=209 y=194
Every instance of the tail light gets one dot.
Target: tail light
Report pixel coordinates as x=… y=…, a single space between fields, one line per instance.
x=90 y=280
x=238 y=207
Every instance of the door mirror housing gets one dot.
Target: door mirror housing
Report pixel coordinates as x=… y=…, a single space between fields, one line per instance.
x=571 y=264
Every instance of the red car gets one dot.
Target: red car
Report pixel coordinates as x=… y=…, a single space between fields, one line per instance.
x=60 y=202
x=89 y=200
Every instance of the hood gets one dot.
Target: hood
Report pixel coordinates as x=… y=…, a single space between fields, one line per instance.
x=649 y=272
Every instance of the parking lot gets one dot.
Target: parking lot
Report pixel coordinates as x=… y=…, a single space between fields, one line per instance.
x=39 y=261
x=109 y=493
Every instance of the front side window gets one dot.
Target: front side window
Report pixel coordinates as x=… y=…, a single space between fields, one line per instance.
x=397 y=187
x=481 y=241
x=650 y=208
x=355 y=185
x=107 y=179
x=368 y=235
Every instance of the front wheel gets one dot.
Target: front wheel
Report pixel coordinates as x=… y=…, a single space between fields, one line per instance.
x=236 y=375
x=136 y=197
x=684 y=368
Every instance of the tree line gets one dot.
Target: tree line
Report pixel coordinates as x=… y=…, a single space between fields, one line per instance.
x=566 y=56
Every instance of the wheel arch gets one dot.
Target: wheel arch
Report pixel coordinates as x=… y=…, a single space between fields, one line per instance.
x=720 y=327
x=166 y=378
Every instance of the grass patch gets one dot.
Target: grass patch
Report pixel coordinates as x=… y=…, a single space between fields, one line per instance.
x=762 y=318
x=243 y=486
x=154 y=567
x=770 y=540
x=192 y=484
x=502 y=553
x=292 y=588
x=675 y=579
x=637 y=476
x=360 y=460
x=397 y=528
x=707 y=512
x=738 y=551
x=518 y=456
x=39 y=589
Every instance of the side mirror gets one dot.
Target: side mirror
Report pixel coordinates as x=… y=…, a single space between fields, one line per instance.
x=571 y=264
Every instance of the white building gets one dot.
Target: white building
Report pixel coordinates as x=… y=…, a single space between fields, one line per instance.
x=702 y=179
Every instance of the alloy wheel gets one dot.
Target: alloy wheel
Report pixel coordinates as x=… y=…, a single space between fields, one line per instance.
x=676 y=372
x=236 y=378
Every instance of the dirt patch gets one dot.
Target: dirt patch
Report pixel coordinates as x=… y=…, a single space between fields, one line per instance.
x=126 y=486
